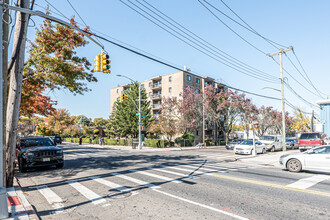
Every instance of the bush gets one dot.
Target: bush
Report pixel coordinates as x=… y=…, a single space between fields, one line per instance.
x=158 y=143
x=185 y=140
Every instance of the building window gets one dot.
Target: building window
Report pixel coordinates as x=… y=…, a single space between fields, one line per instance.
x=150 y=84
x=142 y=86
x=117 y=91
x=198 y=91
x=197 y=81
x=170 y=90
x=206 y=83
x=188 y=77
x=196 y=133
x=150 y=94
x=170 y=79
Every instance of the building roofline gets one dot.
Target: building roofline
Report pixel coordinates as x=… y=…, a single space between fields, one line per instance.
x=323 y=102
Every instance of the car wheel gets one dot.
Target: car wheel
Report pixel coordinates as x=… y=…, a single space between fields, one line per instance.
x=59 y=165
x=272 y=149
x=294 y=165
x=301 y=150
x=21 y=168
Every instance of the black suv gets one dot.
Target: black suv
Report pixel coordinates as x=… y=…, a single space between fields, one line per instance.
x=38 y=152
x=57 y=140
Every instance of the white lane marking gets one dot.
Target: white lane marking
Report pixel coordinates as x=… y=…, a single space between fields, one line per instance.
x=89 y=194
x=156 y=176
x=308 y=182
x=52 y=198
x=112 y=185
x=202 y=205
x=166 y=171
x=135 y=180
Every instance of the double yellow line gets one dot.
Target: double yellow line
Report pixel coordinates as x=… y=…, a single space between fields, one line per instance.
x=272 y=185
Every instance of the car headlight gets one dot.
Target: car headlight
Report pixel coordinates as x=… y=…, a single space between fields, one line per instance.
x=29 y=154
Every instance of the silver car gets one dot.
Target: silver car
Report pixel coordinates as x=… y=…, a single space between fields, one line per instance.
x=314 y=159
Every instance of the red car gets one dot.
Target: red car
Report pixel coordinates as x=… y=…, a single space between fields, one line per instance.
x=310 y=140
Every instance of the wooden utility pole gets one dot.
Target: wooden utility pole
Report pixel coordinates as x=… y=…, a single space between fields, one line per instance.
x=282 y=93
x=312 y=121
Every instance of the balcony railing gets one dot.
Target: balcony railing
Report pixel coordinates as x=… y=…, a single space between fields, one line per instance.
x=157 y=85
x=156 y=96
x=156 y=106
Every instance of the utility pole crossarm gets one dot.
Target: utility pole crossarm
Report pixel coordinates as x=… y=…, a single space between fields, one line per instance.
x=41 y=14
x=281 y=51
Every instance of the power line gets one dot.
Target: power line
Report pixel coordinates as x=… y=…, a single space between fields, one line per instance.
x=232 y=30
x=199 y=39
x=271 y=80
x=251 y=29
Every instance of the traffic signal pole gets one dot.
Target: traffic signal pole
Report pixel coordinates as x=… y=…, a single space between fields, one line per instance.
x=282 y=94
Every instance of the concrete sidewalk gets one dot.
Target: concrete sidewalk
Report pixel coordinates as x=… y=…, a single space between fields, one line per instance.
x=144 y=149
x=18 y=206
x=269 y=159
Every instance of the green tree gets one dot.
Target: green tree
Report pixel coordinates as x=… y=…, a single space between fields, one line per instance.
x=125 y=115
x=100 y=122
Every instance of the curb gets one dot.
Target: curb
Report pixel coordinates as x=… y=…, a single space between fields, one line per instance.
x=18 y=206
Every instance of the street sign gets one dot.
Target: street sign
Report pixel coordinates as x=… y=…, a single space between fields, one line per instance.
x=140 y=123
x=137 y=114
x=143 y=116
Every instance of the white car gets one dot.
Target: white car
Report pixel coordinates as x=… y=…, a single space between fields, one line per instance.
x=314 y=159
x=272 y=143
x=246 y=147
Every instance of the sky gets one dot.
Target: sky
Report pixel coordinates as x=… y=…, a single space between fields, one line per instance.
x=302 y=24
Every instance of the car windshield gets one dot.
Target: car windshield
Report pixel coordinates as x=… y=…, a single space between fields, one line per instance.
x=289 y=139
x=310 y=136
x=36 y=142
x=267 y=138
x=247 y=143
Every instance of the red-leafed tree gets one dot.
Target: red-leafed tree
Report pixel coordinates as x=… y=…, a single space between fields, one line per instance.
x=191 y=109
x=266 y=120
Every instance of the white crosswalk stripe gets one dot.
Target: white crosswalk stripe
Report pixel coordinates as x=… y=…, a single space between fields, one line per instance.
x=112 y=185
x=135 y=180
x=203 y=168
x=52 y=198
x=308 y=182
x=89 y=194
x=156 y=176
x=166 y=171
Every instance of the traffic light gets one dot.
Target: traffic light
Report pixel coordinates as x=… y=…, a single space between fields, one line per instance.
x=97 y=64
x=106 y=63
x=125 y=98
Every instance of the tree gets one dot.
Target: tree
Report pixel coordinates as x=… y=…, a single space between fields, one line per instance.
x=53 y=61
x=266 y=120
x=100 y=122
x=190 y=108
x=125 y=117
x=230 y=105
x=168 y=122
x=249 y=113
x=300 y=122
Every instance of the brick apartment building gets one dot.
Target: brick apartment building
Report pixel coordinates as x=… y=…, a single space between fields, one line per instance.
x=171 y=85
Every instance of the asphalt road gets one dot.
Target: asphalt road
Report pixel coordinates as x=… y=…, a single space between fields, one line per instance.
x=103 y=183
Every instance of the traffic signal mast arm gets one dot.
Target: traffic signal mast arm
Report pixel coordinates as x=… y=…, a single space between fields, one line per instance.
x=124 y=93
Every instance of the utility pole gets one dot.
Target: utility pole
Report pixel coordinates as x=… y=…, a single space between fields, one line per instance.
x=282 y=93
x=3 y=193
x=140 y=144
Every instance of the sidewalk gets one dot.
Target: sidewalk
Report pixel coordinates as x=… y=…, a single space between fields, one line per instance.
x=269 y=159
x=144 y=149
x=18 y=205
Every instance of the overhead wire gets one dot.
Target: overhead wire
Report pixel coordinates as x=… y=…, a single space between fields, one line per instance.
x=175 y=67
x=245 y=39
x=190 y=44
x=196 y=37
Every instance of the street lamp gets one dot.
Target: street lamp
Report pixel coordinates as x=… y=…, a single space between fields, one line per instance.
x=140 y=145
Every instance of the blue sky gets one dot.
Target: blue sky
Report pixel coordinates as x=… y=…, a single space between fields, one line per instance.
x=300 y=23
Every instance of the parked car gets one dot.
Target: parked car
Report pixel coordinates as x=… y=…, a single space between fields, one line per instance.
x=291 y=143
x=246 y=147
x=231 y=145
x=57 y=140
x=272 y=143
x=314 y=159
x=309 y=140
x=38 y=152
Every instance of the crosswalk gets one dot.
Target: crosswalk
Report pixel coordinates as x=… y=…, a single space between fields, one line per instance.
x=96 y=190
x=135 y=180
